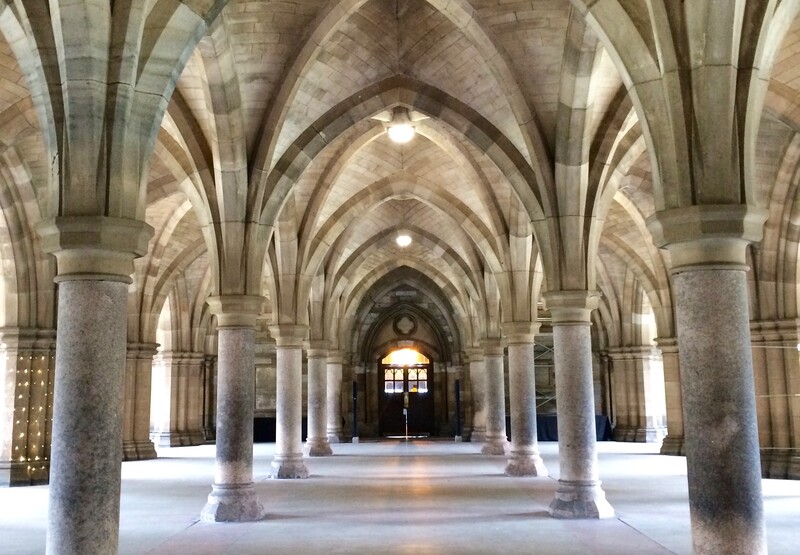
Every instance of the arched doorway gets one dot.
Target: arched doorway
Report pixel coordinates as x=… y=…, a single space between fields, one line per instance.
x=406 y=394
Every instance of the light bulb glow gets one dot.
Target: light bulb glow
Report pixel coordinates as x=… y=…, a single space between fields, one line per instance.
x=401 y=133
x=403 y=241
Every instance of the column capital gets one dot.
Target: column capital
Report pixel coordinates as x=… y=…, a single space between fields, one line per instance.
x=619 y=353
x=520 y=333
x=492 y=346
x=781 y=331
x=473 y=354
x=571 y=307
x=94 y=247
x=142 y=350
x=236 y=311
x=288 y=335
x=177 y=357
x=34 y=339
x=710 y=235
x=667 y=344
x=317 y=348
x=336 y=356
x=630 y=352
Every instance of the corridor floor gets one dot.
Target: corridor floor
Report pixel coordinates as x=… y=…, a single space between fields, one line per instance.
x=420 y=497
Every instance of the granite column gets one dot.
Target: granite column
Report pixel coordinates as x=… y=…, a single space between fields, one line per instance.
x=477 y=378
x=95 y=261
x=722 y=454
x=708 y=251
x=233 y=497
x=334 y=396
x=524 y=459
x=317 y=440
x=579 y=494
x=288 y=461
x=496 y=440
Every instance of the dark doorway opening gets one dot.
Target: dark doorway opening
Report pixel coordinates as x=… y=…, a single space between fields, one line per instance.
x=406 y=394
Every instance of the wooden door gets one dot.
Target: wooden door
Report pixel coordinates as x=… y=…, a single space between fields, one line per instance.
x=406 y=390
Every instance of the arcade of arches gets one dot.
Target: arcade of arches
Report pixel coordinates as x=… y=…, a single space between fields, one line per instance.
x=201 y=205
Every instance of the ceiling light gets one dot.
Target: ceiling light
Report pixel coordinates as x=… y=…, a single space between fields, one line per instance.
x=403 y=240
x=400 y=129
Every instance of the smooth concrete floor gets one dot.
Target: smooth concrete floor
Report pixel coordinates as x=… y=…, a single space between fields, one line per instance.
x=420 y=497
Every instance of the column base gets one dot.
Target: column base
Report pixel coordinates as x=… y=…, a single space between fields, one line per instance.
x=576 y=500
x=232 y=503
x=196 y=437
x=627 y=435
x=477 y=435
x=138 y=451
x=288 y=468
x=334 y=437
x=494 y=447
x=793 y=468
x=525 y=465
x=672 y=445
x=649 y=435
x=171 y=439
x=779 y=464
x=318 y=447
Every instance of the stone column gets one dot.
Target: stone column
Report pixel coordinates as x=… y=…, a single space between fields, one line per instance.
x=209 y=398
x=622 y=388
x=673 y=442
x=334 y=394
x=719 y=399
x=180 y=381
x=579 y=494
x=194 y=401
x=136 y=443
x=650 y=395
x=233 y=496
x=496 y=440
x=317 y=440
x=477 y=378
x=466 y=398
x=525 y=459
x=453 y=374
x=288 y=461
x=95 y=261
x=165 y=401
x=707 y=246
x=639 y=394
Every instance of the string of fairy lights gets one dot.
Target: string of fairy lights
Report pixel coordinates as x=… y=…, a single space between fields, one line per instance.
x=33 y=414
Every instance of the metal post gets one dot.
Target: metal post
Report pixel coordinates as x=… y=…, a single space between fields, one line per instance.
x=458 y=411
x=355 y=411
